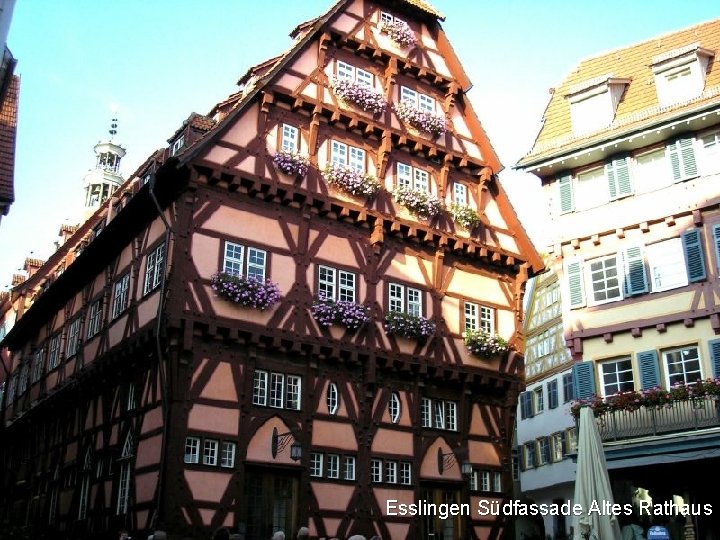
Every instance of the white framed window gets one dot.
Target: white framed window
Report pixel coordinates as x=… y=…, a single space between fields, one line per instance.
x=556 y=441
x=348 y=72
x=666 y=261
x=682 y=365
x=391 y=472
x=333 y=466
x=38 y=364
x=120 y=295
x=426 y=412
x=405 y=473
x=210 y=452
x=316 y=464
x=591 y=189
x=484 y=480
x=538 y=400
x=124 y=481
x=73 y=338
x=617 y=376
x=710 y=145
x=571 y=440
x=336 y=284
x=405 y=299
x=154 y=268
x=289 y=138
x=227 y=455
x=651 y=171
x=438 y=414
x=394 y=407
x=412 y=177
x=479 y=317
x=349 y=469
x=277 y=390
x=332 y=398
x=604 y=279
x=376 y=470
x=130 y=403
x=178 y=145
x=497 y=482
x=418 y=100
x=543 y=451
x=249 y=262
x=386 y=18
x=439 y=417
x=348 y=156
x=94 y=318
x=460 y=194
x=192 y=450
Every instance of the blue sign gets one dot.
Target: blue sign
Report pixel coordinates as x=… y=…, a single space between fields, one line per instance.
x=658 y=532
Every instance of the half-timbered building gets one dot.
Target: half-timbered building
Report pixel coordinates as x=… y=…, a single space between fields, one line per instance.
x=306 y=312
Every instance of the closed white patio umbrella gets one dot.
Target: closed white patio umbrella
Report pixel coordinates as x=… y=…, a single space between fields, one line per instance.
x=592 y=485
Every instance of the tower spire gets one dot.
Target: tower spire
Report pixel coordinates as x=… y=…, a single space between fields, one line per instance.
x=105 y=178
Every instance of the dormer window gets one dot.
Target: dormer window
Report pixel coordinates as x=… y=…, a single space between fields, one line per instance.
x=680 y=74
x=178 y=145
x=593 y=103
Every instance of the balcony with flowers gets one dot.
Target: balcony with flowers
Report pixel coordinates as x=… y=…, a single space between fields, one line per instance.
x=400 y=33
x=291 y=163
x=484 y=344
x=419 y=202
x=423 y=121
x=328 y=312
x=409 y=326
x=350 y=180
x=465 y=216
x=684 y=407
x=244 y=291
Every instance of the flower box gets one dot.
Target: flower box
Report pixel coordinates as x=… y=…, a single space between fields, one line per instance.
x=420 y=203
x=351 y=180
x=408 y=326
x=291 y=163
x=484 y=344
x=464 y=216
x=425 y=121
x=340 y=312
x=245 y=291
x=400 y=32
x=365 y=97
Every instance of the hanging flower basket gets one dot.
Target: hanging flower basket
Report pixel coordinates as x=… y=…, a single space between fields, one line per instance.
x=351 y=180
x=408 y=326
x=425 y=121
x=485 y=345
x=400 y=32
x=365 y=97
x=340 y=312
x=291 y=163
x=420 y=203
x=245 y=291
x=464 y=216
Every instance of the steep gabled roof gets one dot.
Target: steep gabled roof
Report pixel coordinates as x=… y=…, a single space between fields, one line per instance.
x=8 y=129
x=639 y=107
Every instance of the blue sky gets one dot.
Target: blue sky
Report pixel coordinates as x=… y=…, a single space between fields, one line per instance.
x=159 y=61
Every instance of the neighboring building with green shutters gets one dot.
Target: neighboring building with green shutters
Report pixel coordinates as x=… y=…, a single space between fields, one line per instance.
x=629 y=158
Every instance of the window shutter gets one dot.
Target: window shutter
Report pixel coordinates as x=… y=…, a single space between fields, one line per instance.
x=573 y=272
x=525 y=405
x=694 y=256
x=618 y=177
x=649 y=370
x=584 y=380
x=714 y=346
x=635 y=277
x=552 y=394
x=716 y=244
x=566 y=194
x=682 y=159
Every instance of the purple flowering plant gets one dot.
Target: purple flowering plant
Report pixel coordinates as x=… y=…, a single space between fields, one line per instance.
x=425 y=121
x=656 y=397
x=400 y=32
x=464 y=216
x=408 y=326
x=340 y=312
x=420 y=203
x=484 y=344
x=351 y=180
x=362 y=95
x=245 y=291
x=291 y=163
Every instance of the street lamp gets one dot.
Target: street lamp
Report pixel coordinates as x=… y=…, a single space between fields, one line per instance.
x=279 y=441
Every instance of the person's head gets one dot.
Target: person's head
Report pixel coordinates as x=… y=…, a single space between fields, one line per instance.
x=303 y=533
x=279 y=535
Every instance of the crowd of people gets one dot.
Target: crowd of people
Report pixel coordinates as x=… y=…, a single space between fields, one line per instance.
x=224 y=533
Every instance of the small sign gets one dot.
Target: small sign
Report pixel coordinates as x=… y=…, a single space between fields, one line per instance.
x=658 y=532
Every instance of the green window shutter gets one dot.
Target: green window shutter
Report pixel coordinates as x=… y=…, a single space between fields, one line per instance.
x=716 y=244
x=584 y=380
x=649 y=369
x=567 y=204
x=617 y=173
x=552 y=391
x=635 y=276
x=714 y=346
x=682 y=159
x=573 y=271
x=694 y=256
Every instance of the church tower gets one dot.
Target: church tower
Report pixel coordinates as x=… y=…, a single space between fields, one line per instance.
x=105 y=178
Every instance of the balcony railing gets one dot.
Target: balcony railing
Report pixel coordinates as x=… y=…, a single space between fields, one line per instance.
x=679 y=416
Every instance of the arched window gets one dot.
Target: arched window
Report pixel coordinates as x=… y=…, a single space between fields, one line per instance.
x=394 y=408
x=333 y=398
